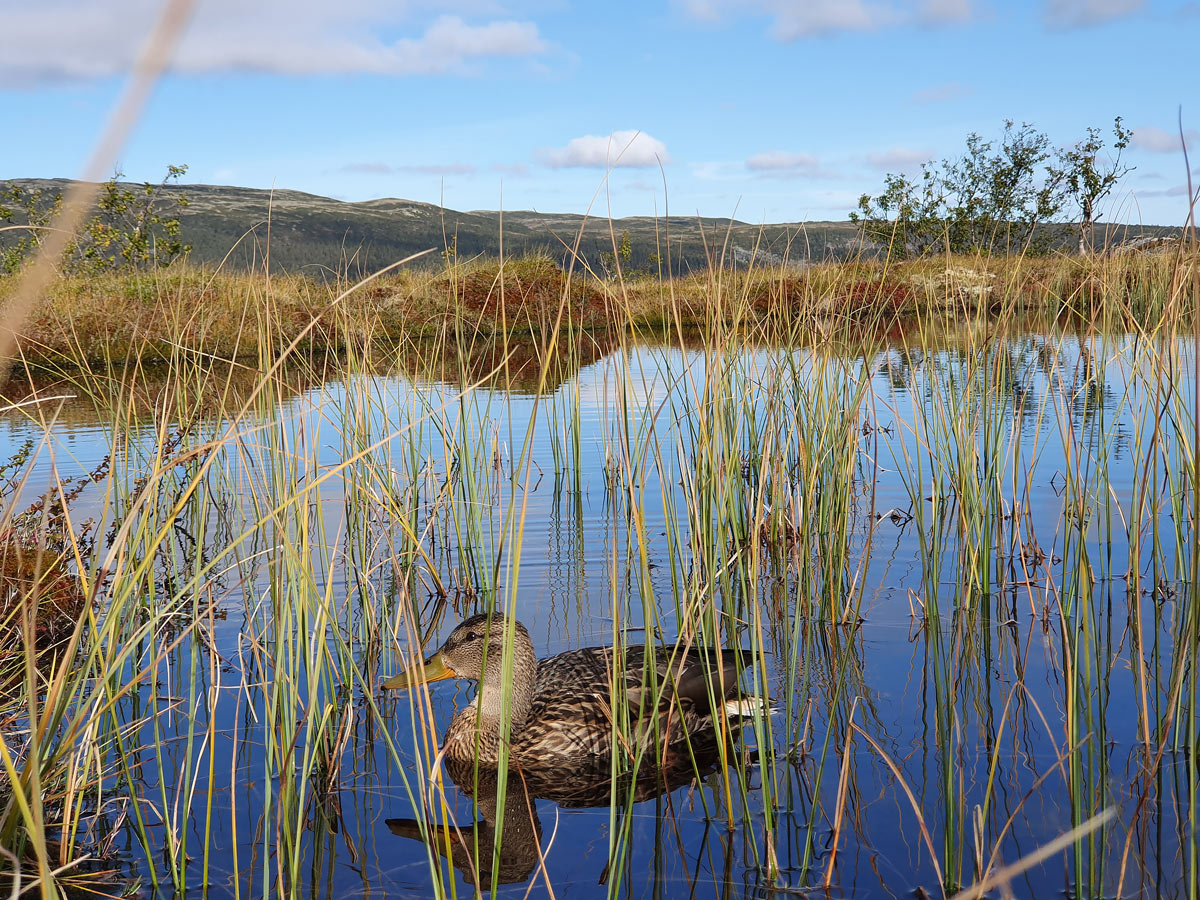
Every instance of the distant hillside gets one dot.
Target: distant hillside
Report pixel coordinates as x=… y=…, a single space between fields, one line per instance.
x=305 y=232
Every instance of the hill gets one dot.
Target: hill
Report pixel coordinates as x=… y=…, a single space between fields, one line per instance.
x=305 y=232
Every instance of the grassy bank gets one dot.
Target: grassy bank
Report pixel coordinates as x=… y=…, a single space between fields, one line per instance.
x=150 y=316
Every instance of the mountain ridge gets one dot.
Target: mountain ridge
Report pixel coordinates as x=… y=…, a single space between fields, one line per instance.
x=297 y=230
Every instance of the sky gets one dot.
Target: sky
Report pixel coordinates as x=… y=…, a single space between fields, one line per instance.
x=762 y=110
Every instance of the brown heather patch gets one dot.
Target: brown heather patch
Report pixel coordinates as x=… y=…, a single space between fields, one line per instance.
x=785 y=294
x=859 y=296
x=525 y=294
x=882 y=297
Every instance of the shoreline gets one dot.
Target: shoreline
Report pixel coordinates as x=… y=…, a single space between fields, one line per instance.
x=155 y=315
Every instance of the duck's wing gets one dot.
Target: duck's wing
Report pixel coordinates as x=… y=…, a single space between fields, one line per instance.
x=698 y=676
x=571 y=713
x=574 y=707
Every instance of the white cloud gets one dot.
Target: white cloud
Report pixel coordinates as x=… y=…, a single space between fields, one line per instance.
x=785 y=164
x=899 y=159
x=58 y=40
x=455 y=168
x=1080 y=13
x=797 y=20
x=941 y=93
x=1156 y=140
x=621 y=148
x=646 y=187
x=794 y=19
x=450 y=41
x=704 y=10
x=776 y=160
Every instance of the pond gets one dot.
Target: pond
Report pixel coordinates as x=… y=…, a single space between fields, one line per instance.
x=961 y=566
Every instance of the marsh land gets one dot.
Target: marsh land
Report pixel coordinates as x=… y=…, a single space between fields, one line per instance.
x=947 y=507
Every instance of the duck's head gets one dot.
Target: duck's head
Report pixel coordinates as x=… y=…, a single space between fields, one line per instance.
x=475 y=650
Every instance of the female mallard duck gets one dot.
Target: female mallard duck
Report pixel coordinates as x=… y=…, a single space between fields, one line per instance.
x=561 y=709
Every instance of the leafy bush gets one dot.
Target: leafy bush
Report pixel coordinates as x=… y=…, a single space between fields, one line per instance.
x=997 y=196
x=132 y=228
x=29 y=214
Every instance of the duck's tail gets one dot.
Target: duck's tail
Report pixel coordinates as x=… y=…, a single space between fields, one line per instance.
x=749 y=706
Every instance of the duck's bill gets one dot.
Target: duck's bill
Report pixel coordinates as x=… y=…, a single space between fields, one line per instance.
x=433 y=669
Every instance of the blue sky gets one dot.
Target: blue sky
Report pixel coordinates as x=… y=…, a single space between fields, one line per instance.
x=770 y=110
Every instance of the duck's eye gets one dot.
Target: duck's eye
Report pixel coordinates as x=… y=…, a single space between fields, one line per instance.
x=472 y=636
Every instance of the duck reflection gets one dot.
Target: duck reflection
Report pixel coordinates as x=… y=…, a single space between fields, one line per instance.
x=516 y=836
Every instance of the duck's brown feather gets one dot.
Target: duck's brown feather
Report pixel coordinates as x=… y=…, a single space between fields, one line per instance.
x=577 y=705
x=664 y=695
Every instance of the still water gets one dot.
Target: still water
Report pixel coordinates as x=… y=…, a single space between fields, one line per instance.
x=962 y=568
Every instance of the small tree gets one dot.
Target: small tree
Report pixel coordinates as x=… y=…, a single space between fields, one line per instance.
x=906 y=216
x=133 y=227
x=29 y=214
x=608 y=261
x=993 y=197
x=1087 y=179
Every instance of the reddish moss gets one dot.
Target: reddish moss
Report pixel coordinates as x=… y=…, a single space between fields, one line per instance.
x=526 y=293
x=869 y=296
x=35 y=587
x=787 y=294
x=877 y=297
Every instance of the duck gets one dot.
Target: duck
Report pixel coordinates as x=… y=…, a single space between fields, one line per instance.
x=561 y=710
